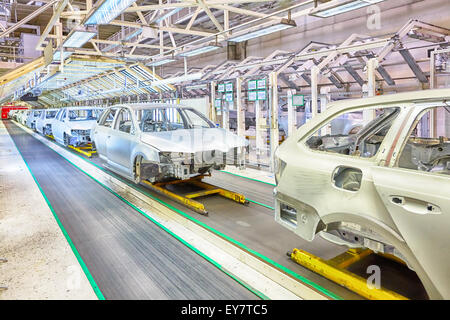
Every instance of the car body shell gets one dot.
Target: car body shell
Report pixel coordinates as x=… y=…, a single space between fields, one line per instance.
x=44 y=123
x=33 y=115
x=120 y=149
x=305 y=183
x=63 y=127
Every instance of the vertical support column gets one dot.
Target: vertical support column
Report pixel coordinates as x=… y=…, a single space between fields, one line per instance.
x=324 y=100
x=314 y=90
x=259 y=129
x=240 y=113
x=59 y=41
x=292 y=114
x=433 y=114
x=372 y=64
x=274 y=132
x=225 y=115
x=212 y=110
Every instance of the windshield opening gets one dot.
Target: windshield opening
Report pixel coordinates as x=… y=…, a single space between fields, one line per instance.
x=84 y=114
x=50 y=114
x=170 y=119
x=349 y=135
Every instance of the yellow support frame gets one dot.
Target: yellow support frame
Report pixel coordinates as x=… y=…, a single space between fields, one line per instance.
x=86 y=150
x=187 y=199
x=335 y=270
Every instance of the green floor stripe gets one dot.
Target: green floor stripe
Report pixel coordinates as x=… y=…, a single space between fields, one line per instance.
x=261 y=204
x=66 y=235
x=237 y=243
x=237 y=175
x=209 y=259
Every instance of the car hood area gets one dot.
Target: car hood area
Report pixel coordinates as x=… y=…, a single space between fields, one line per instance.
x=81 y=125
x=194 y=140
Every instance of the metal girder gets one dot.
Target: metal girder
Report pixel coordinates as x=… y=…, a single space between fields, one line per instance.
x=205 y=7
x=27 y=18
x=413 y=65
x=306 y=78
x=59 y=9
x=385 y=75
x=354 y=74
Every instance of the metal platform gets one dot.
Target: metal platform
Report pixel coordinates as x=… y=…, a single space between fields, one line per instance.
x=335 y=270
x=122 y=249
x=87 y=149
x=187 y=199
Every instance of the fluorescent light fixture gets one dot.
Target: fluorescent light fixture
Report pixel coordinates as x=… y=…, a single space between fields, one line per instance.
x=189 y=77
x=78 y=38
x=57 y=55
x=200 y=50
x=108 y=11
x=160 y=62
x=284 y=24
x=336 y=7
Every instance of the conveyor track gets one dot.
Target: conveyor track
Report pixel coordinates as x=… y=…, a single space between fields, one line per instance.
x=128 y=256
x=254 y=227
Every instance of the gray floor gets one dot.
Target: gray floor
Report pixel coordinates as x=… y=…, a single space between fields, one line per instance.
x=255 y=227
x=128 y=256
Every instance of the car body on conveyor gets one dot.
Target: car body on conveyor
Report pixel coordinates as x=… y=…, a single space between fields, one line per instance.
x=73 y=125
x=159 y=142
x=22 y=117
x=32 y=117
x=385 y=187
x=44 y=122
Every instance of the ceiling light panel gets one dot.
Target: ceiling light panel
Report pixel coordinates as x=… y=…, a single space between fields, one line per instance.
x=341 y=6
x=198 y=51
x=264 y=31
x=108 y=11
x=78 y=38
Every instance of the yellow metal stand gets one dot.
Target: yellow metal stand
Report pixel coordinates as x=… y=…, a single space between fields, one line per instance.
x=335 y=270
x=187 y=199
x=86 y=150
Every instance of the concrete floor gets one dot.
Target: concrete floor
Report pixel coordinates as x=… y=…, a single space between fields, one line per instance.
x=235 y=220
x=128 y=256
x=41 y=264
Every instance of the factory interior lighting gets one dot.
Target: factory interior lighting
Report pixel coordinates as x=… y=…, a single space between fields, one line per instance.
x=57 y=55
x=78 y=38
x=284 y=24
x=160 y=62
x=200 y=50
x=107 y=11
x=336 y=7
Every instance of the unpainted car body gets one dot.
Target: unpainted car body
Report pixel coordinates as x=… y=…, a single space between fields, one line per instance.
x=73 y=125
x=32 y=117
x=379 y=187
x=22 y=116
x=158 y=142
x=44 y=122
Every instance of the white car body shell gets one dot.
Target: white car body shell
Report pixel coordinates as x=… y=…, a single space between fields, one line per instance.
x=43 y=121
x=305 y=183
x=62 y=126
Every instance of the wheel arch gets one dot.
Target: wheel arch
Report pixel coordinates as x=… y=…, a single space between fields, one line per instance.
x=393 y=238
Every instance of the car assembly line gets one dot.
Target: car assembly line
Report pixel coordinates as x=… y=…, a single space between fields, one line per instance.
x=225 y=150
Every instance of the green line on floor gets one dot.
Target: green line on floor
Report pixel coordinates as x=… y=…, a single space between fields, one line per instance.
x=209 y=259
x=237 y=175
x=91 y=280
x=237 y=243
